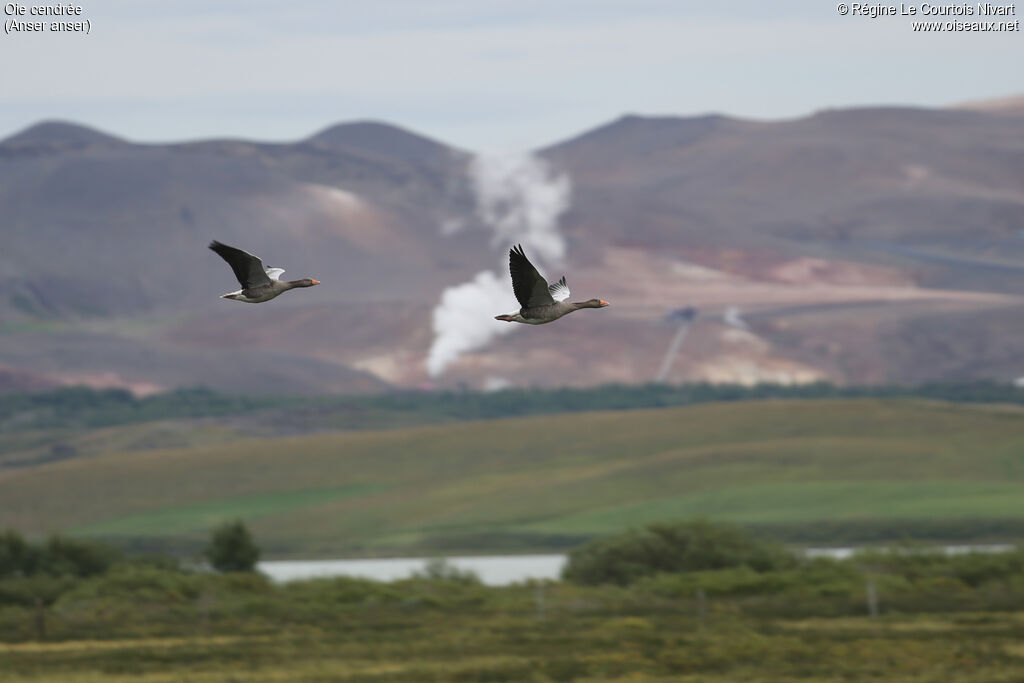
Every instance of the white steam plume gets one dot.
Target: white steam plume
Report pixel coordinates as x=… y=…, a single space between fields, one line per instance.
x=519 y=199
x=464 y=320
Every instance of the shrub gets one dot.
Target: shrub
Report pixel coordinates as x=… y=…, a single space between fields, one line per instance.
x=28 y=590
x=71 y=557
x=672 y=547
x=17 y=557
x=136 y=584
x=440 y=569
x=232 y=549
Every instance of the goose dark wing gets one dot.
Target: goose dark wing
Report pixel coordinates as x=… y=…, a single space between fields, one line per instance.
x=530 y=288
x=248 y=268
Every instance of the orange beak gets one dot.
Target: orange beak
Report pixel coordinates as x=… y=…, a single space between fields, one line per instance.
x=316 y=282
x=603 y=302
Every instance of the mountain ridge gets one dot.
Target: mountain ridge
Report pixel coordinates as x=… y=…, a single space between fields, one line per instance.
x=892 y=224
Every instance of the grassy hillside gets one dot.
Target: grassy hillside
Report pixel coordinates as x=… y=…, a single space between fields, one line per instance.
x=71 y=422
x=550 y=481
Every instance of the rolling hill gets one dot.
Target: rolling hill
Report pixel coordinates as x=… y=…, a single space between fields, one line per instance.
x=800 y=466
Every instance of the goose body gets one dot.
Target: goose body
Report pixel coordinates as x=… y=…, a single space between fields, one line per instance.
x=258 y=282
x=540 y=302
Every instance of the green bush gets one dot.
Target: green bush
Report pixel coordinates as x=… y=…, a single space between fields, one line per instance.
x=17 y=557
x=232 y=549
x=140 y=584
x=440 y=569
x=59 y=556
x=672 y=547
x=71 y=557
x=28 y=590
x=31 y=573
x=340 y=590
x=973 y=569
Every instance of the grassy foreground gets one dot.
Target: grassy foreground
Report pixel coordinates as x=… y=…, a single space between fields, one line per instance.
x=661 y=648
x=940 y=621
x=550 y=481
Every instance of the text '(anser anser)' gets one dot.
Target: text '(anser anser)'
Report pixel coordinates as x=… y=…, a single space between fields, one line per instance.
x=541 y=303
x=259 y=283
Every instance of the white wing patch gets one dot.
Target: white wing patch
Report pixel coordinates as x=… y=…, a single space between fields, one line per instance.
x=273 y=273
x=559 y=291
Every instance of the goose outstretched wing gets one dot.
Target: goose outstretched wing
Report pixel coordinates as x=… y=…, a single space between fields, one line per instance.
x=248 y=268
x=530 y=288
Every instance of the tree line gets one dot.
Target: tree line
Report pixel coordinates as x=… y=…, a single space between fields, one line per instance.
x=82 y=407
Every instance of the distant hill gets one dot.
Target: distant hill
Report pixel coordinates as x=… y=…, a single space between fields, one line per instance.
x=838 y=183
x=385 y=141
x=859 y=245
x=57 y=136
x=887 y=468
x=1013 y=105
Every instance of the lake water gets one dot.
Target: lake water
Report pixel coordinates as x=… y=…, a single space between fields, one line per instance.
x=493 y=570
x=843 y=553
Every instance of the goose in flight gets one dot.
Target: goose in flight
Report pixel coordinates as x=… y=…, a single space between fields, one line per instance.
x=541 y=303
x=259 y=283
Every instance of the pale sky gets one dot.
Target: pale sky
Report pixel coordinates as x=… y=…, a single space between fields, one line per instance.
x=483 y=75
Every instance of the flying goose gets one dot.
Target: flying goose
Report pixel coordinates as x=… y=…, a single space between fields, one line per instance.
x=541 y=303
x=259 y=284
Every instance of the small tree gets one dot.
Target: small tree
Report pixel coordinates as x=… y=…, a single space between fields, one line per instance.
x=231 y=548
x=440 y=569
x=17 y=557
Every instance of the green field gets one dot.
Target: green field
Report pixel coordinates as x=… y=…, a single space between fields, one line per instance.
x=541 y=481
